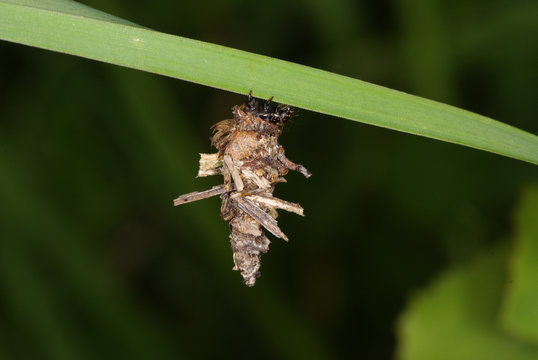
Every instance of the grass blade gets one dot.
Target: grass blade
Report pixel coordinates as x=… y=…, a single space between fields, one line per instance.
x=73 y=28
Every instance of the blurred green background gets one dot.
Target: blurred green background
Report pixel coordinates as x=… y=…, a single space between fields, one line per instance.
x=409 y=248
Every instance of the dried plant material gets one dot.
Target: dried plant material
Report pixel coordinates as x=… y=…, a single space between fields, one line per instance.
x=234 y=171
x=251 y=162
x=277 y=204
x=261 y=217
x=199 y=195
x=208 y=164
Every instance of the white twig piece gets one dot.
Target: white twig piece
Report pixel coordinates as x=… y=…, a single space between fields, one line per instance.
x=261 y=182
x=209 y=163
x=277 y=203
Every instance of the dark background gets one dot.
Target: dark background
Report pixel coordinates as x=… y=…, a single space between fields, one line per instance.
x=95 y=261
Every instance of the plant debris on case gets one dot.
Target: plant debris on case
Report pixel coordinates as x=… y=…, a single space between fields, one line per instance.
x=251 y=162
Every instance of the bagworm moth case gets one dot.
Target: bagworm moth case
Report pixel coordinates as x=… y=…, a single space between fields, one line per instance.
x=251 y=161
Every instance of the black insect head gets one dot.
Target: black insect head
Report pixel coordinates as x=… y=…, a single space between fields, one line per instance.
x=268 y=111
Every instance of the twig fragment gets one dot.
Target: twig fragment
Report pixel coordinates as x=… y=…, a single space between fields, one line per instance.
x=260 y=216
x=199 y=195
x=232 y=169
x=277 y=203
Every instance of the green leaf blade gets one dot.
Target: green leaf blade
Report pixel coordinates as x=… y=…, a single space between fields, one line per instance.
x=73 y=28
